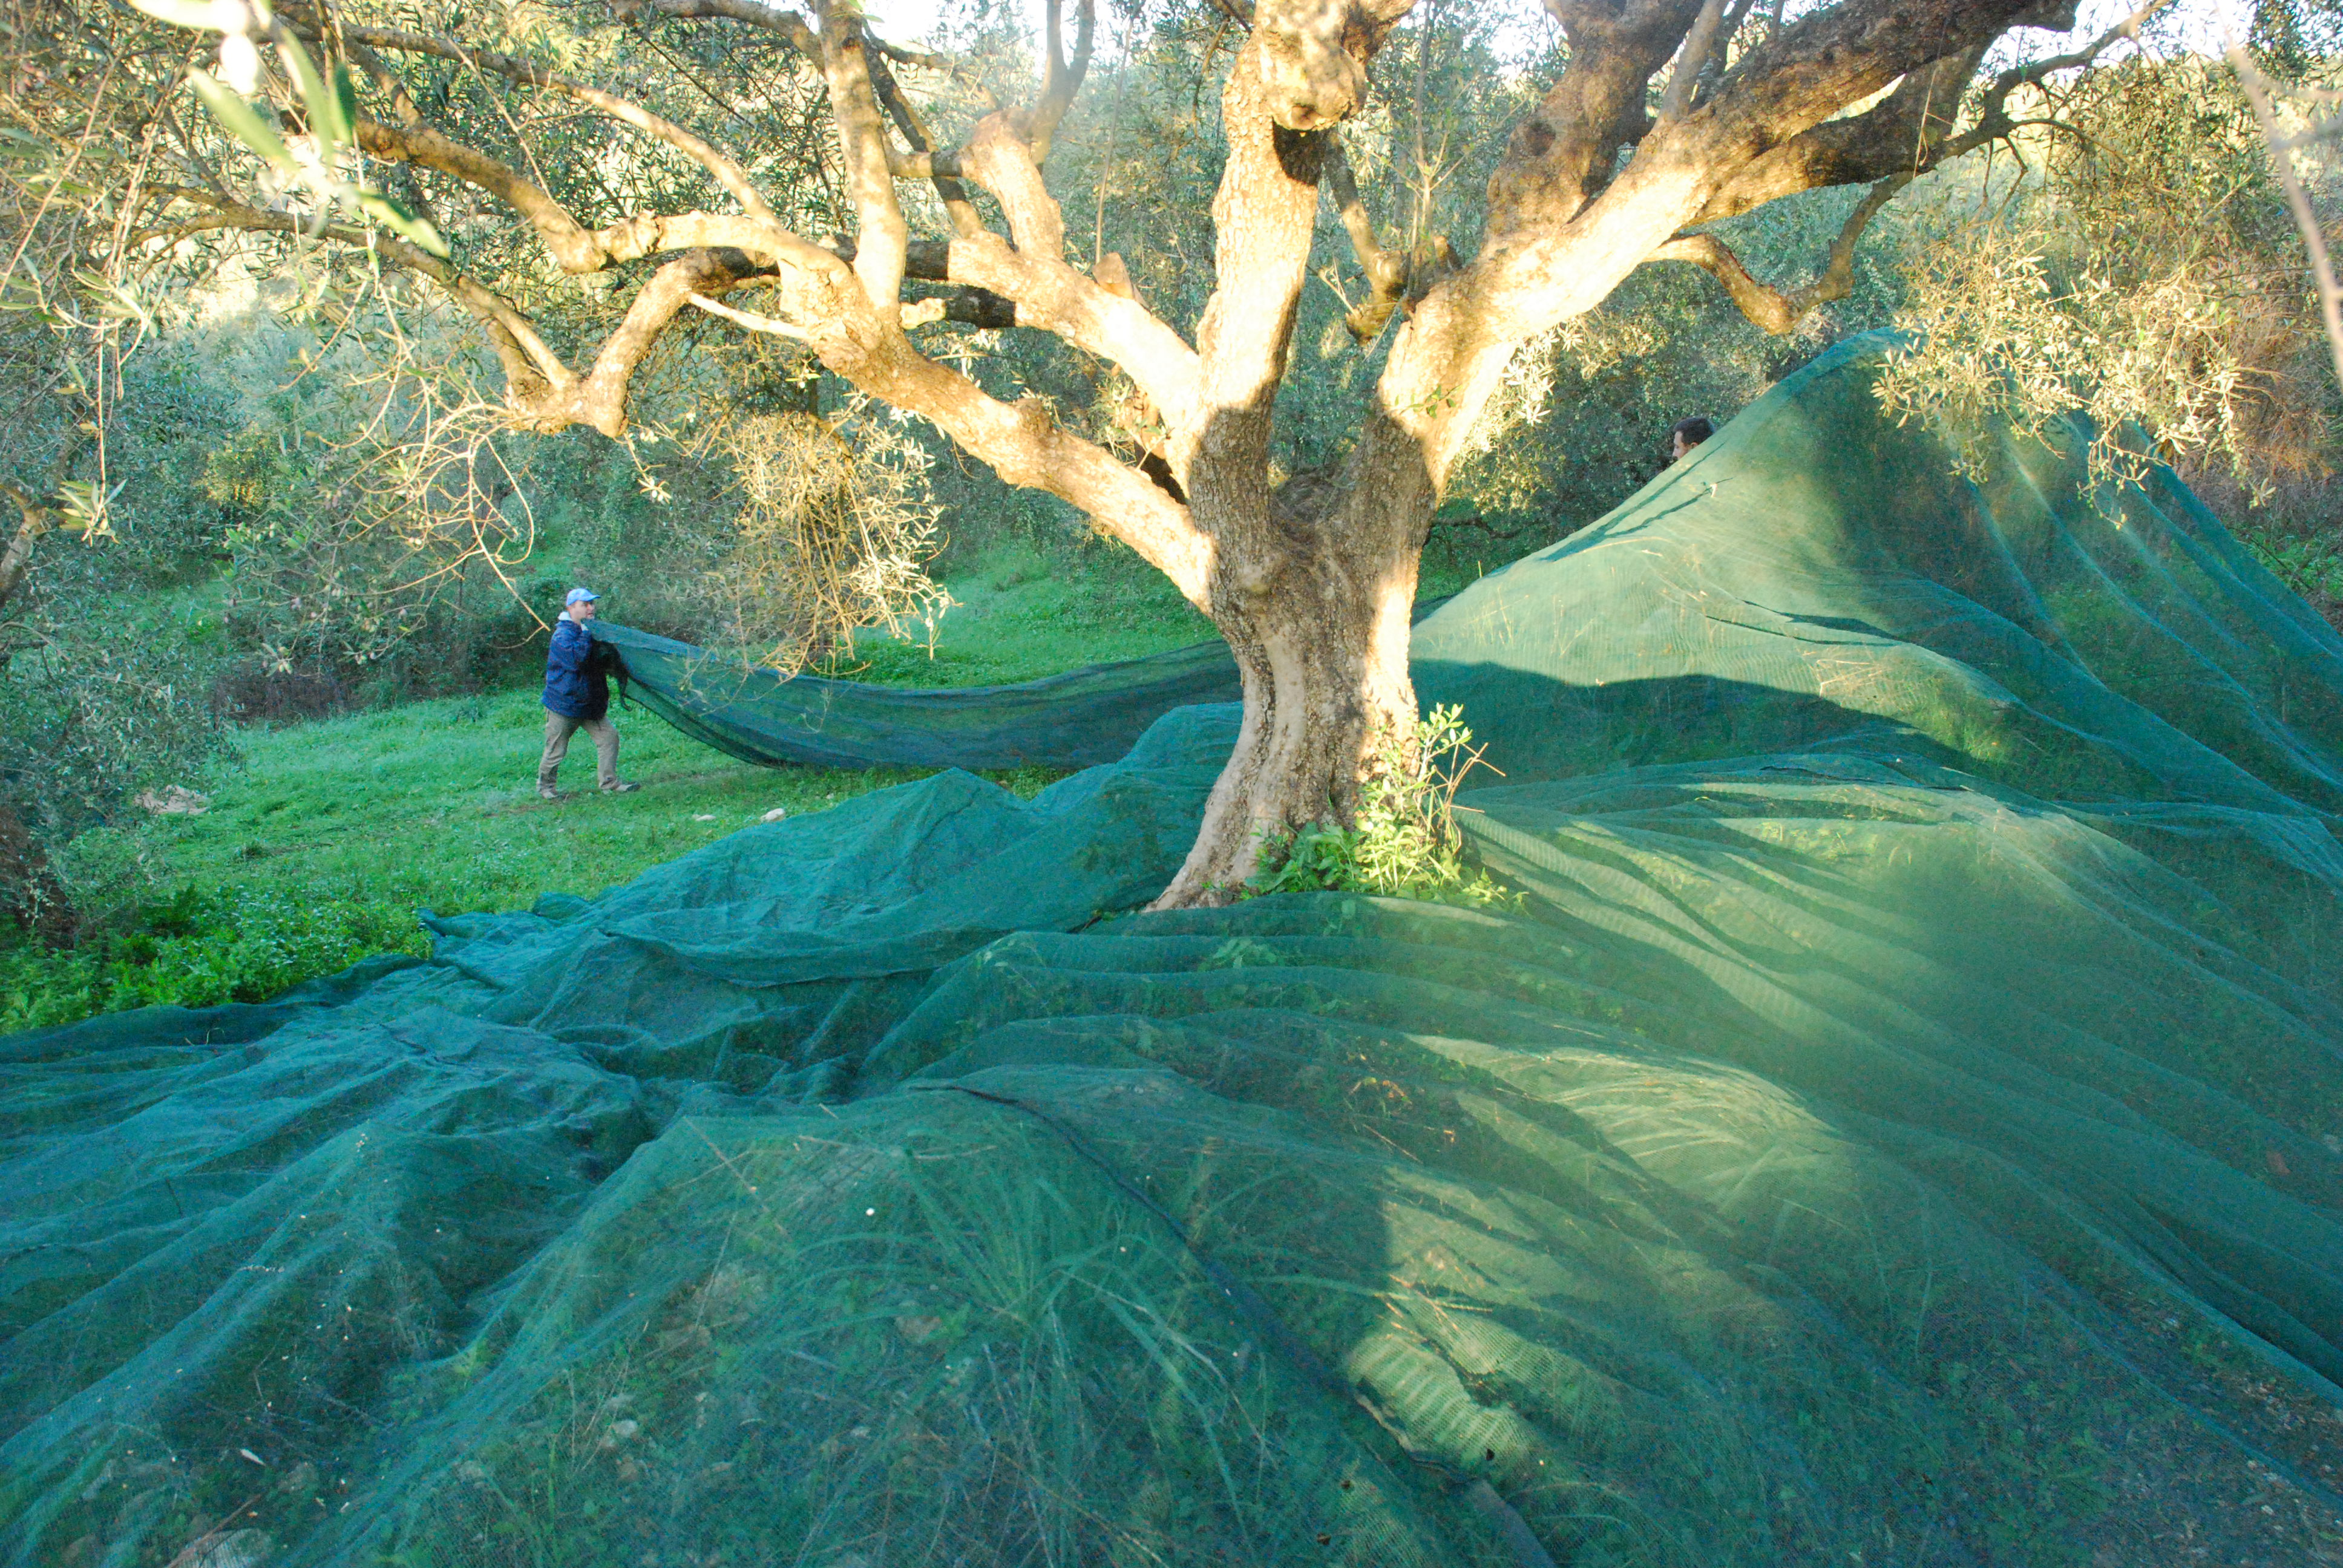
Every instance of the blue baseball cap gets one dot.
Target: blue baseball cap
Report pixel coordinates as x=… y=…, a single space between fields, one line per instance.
x=580 y=596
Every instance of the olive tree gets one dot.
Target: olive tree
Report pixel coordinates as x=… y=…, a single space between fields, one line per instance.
x=1665 y=117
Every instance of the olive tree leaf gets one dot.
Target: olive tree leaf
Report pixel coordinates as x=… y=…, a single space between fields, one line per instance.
x=325 y=107
x=88 y=507
x=345 y=102
x=400 y=221
x=242 y=121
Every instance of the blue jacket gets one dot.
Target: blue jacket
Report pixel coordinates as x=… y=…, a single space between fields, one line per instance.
x=577 y=680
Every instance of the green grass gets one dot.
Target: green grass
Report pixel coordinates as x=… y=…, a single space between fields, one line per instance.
x=323 y=839
x=2309 y=564
x=1019 y=615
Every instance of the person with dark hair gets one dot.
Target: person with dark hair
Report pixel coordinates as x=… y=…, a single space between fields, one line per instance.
x=578 y=697
x=1685 y=434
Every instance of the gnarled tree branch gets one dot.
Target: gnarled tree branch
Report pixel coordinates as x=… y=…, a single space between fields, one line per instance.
x=1691 y=61
x=529 y=365
x=1065 y=77
x=1777 y=310
x=1386 y=273
x=966 y=221
x=788 y=23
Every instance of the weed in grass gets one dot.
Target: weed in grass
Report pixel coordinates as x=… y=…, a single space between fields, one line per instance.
x=199 y=948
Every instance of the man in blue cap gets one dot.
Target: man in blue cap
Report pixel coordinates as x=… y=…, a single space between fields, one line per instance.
x=578 y=697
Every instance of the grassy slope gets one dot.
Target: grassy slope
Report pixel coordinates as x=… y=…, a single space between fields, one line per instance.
x=434 y=803
x=1019 y=615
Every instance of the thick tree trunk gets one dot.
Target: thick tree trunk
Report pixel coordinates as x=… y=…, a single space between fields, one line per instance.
x=1325 y=683
x=1317 y=612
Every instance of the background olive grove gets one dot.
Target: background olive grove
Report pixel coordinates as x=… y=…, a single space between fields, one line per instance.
x=254 y=477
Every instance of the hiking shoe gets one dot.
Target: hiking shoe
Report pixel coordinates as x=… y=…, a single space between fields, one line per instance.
x=628 y=788
x=547 y=793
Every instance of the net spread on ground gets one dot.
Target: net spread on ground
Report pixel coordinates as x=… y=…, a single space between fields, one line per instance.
x=1901 y=1123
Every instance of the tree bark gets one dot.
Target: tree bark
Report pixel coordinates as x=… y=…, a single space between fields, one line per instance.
x=1323 y=657
x=18 y=556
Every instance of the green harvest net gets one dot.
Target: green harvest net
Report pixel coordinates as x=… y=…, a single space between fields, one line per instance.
x=1900 y=1125
x=1079 y=719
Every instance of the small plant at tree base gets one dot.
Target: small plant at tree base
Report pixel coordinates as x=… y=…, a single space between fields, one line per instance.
x=1405 y=843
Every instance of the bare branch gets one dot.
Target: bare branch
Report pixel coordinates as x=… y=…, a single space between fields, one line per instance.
x=903 y=57
x=1562 y=153
x=788 y=25
x=2034 y=73
x=1022 y=442
x=598 y=397
x=1101 y=316
x=529 y=365
x=882 y=233
x=574 y=248
x=1691 y=61
x=1705 y=85
x=1065 y=77
x=997 y=158
x=1386 y=273
x=419 y=142
x=749 y=318
x=1910 y=130
x=2298 y=201
x=1563 y=230
x=966 y=220
x=1779 y=311
x=801 y=37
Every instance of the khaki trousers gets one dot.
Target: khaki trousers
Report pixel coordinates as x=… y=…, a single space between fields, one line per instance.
x=559 y=728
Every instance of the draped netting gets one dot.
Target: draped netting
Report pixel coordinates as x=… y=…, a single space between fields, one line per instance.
x=1902 y=1121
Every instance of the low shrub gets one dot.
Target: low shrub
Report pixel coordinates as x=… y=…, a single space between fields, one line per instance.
x=2312 y=563
x=199 y=948
x=252 y=690
x=1405 y=843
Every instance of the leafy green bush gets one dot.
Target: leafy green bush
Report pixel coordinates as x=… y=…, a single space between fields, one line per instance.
x=200 y=948
x=2312 y=563
x=1405 y=843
